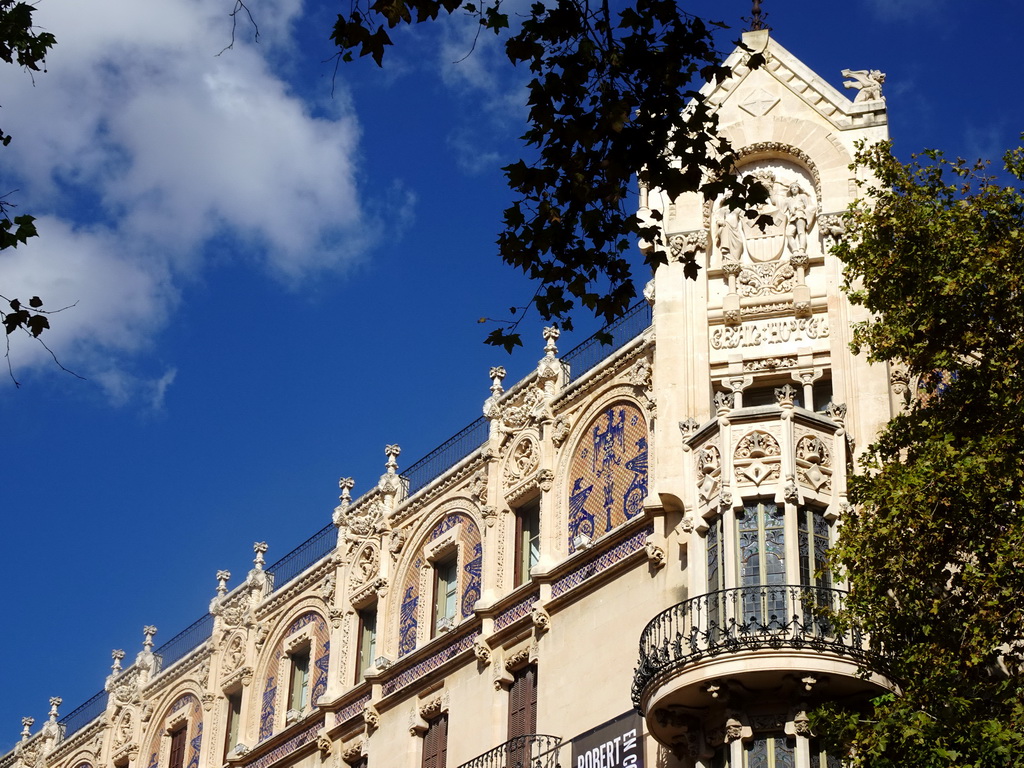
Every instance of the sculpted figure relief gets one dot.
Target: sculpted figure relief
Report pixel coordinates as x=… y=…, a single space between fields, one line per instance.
x=798 y=213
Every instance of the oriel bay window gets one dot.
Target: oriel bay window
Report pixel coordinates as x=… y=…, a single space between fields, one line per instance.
x=760 y=557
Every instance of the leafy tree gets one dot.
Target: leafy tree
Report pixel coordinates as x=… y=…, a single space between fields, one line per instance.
x=934 y=551
x=610 y=96
x=21 y=44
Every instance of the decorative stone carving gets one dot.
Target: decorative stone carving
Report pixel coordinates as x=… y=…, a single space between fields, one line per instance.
x=362 y=520
x=208 y=699
x=790 y=492
x=785 y=394
x=353 y=753
x=836 y=411
x=517 y=659
x=490 y=515
x=769 y=364
x=396 y=540
x=545 y=479
x=868 y=83
x=765 y=279
x=759 y=102
x=324 y=745
x=222 y=582
x=725 y=401
x=685 y=247
x=899 y=380
x=802 y=724
x=560 y=431
x=709 y=466
x=832 y=230
x=522 y=460
x=482 y=651
x=689 y=427
x=655 y=555
x=371 y=717
x=540 y=618
x=549 y=369
x=478 y=487
x=365 y=567
x=757 y=444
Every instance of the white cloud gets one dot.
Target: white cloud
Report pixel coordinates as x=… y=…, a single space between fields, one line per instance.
x=143 y=145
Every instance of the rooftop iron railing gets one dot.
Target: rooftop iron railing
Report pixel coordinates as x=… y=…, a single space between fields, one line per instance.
x=534 y=750
x=744 y=619
x=589 y=353
x=312 y=550
x=446 y=455
x=185 y=641
x=77 y=719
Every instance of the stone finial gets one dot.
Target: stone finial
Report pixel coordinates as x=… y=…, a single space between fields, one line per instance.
x=785 y=394
x=260 y=548
x=551 y=334
x=497 y=374
x=392 y=452
x=26 y=727
x=118 y=656
x=346 y=484
x=222 y=582
x=148 y=631
x=55 y=701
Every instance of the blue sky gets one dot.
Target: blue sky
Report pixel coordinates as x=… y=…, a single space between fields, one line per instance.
x=277 y=271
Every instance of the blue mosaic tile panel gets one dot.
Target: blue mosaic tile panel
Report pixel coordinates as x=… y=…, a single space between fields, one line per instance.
x=608 y=473
x=514 y=613
x=267 y=709
x=194 y=725
x=319 y=654
x=470 y=566
x=472 y=570
x=194 y=744
x=624 y=549
x=295 y=742
x=429 y=664
x=353 y=709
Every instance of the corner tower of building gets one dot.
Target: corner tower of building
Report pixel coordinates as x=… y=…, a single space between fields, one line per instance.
x=761 y=411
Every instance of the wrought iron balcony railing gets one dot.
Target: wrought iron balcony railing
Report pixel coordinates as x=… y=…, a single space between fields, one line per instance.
x=534 y=750
x=743 y=619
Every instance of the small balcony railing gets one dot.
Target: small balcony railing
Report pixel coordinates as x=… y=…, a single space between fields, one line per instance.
x=534 y=750
x=743 y=619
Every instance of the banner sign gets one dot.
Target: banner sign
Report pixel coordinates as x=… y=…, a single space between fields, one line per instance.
x=618 y=743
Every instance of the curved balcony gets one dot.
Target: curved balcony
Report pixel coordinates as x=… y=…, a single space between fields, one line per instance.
x=759 y=635
x=534 y=750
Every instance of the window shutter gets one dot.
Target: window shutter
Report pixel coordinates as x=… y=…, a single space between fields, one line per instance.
x=178 y=748
x=435 y=743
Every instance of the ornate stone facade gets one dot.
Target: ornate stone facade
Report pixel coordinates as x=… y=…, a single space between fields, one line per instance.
x=704 y=460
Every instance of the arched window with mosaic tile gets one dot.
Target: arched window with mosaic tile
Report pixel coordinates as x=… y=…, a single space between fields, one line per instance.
x=442 y=581
x=177 y=741
x=295 y=675
x=607 y=481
